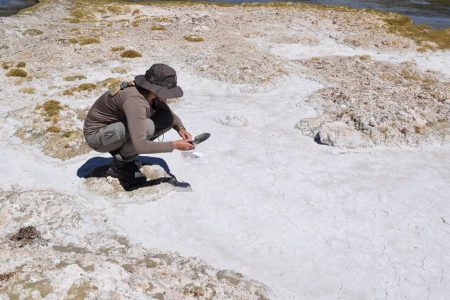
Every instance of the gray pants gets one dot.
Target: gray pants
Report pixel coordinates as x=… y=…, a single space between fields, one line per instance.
x=115 y=137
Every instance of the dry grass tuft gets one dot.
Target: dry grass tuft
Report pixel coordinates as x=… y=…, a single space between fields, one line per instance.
x=74 y=77
x=33 y=31
x=161 y=19
x=120 y=70
x=89 y=40
x=109 y=82
x=85 y=87
x=117 y=48
x=193 y=38
x=21 y=64
x=27 y=90
x=158 y=27
x=54 y=129
x=17 y=73
x=6 y=65
x=52 y=107
x=130 y=54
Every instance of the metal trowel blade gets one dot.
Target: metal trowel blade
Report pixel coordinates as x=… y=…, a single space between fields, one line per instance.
x=201 y=138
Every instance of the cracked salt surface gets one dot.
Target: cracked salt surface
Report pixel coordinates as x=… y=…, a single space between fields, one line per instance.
x=309 y=221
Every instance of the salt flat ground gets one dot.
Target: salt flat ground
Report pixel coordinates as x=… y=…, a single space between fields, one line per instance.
x=309 y=221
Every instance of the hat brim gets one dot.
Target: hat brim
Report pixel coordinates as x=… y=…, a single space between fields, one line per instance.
x=158 y=90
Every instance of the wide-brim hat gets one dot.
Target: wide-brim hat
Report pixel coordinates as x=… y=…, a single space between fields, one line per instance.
x=161 y=80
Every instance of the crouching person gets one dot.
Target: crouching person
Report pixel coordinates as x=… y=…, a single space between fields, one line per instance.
x=126 y=121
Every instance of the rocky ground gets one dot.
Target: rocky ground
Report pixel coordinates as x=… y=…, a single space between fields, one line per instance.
x=59 y=56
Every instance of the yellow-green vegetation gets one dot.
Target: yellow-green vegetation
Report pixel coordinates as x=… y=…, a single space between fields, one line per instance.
x=27 y=90
x=68 y=134
x=81 y=15
x=136 y=22
x=74 y=77
x=109 y=82
x=161 y=19
x=84 y=40
x=54 y=129
x=120 y=70
x=193 y=38
x=118 y=48
x=72 y=40
x=130 y=54
x=51 y=107
x=33 y=31
x=21 y=64
x=423 y=35
x=89 y=40
x=85 y=87
x=17 y=73
x=158 y=27
x=6 y=65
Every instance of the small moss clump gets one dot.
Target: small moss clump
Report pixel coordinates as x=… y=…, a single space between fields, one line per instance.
x=33 y=31
x=21 y=64
x=27 y=90
x=136 y=23
x=6 y=65
x=17 y=73
x=85 y=87
x=72 y=41
x=88 y=41
x=193 y=38
x=161 y=19
x=54 y=129
x=74 y=77
x=158 y=27
x=52 y=107
x=130 y=54
x=68 y=134
x=109 y=82
x=118 y=48
x=120 y=70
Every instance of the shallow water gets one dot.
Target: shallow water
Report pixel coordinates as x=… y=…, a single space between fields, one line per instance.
x=435 y=13
x=10 y=7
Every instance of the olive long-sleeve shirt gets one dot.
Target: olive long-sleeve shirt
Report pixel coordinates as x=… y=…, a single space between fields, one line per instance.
x=130 y=106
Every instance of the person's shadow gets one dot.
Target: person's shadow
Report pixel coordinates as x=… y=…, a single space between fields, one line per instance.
x=97 y=166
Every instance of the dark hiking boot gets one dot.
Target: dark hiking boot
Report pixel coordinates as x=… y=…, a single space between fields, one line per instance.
x=127 y=171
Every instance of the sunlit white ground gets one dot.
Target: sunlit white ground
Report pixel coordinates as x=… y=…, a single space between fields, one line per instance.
x=309 y=221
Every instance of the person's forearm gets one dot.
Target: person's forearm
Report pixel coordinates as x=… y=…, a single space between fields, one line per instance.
x=177 y=124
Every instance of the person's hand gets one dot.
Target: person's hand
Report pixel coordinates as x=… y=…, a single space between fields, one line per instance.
x=183 y=145
x=184 y=134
